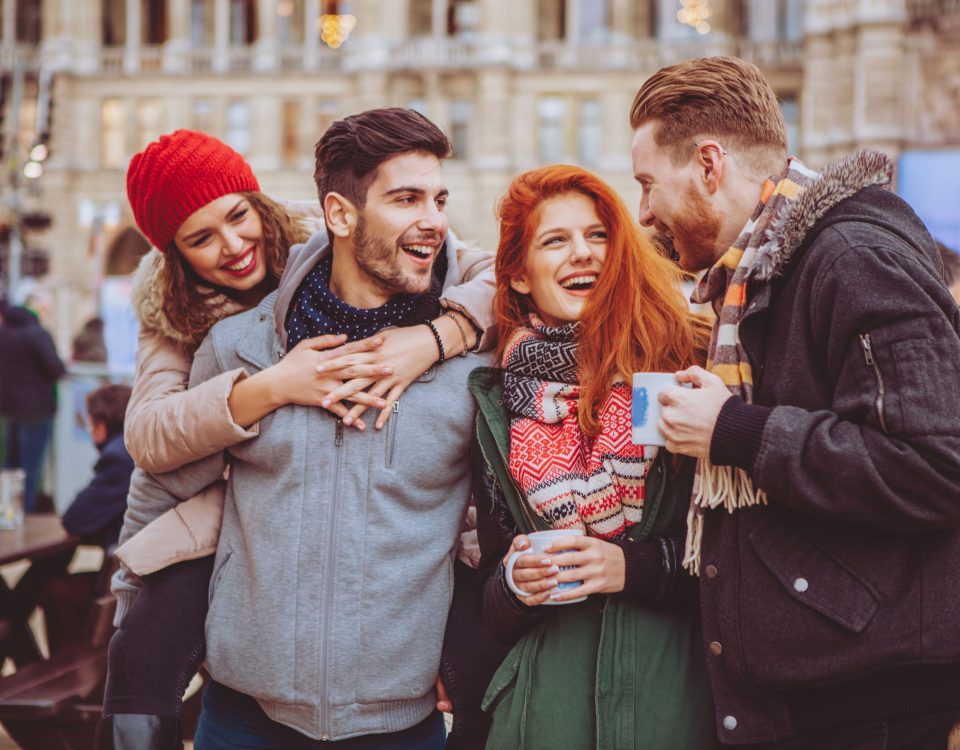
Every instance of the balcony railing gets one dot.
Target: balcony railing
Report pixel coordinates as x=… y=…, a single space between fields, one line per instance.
x=24 y=56
x=433 y=54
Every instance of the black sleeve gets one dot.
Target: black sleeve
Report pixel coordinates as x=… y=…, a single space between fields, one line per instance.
x=46 y=355
x=503 y=614
x=655 y=575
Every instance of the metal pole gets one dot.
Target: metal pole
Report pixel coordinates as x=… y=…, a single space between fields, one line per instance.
x=16 y=244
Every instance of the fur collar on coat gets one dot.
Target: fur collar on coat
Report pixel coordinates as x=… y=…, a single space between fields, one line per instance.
x=838 y=181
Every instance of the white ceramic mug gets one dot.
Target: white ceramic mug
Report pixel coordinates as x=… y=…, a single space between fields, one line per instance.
x=538 y=541
x=647 y=387
x=12 y=483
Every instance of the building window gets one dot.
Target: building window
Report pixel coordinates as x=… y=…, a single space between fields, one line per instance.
x=461 y=112
x=238 y=126
x=242 y=22
x=28 y=21
x=203 y=116
x=551 y=20
x=591 y=21
x=589 y=132
x=149 y=121
x=154 y=17
x=551 y=112
x=773 y=20
x=791 y=116
x=201 y=24
x=113 y=142
x=326 y=116
x=420 y=18
x=463 y=17
x=290 y=147
x=290 y=17
x=114 y=23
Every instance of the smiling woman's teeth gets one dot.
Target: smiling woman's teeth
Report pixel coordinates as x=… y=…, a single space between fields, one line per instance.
x=579 y=282
x=245 y=261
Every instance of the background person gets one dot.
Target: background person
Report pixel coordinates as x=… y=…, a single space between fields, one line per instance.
x=826 y=526
x=583 y=301
x=28 y=394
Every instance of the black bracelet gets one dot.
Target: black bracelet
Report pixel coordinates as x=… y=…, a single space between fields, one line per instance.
x=463 y=333
x=436 y=334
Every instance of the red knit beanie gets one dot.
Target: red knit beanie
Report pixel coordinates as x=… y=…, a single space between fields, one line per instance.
x=178 y=174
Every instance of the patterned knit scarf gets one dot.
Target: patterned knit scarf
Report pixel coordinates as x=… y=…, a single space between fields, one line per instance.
x=316 y=311
x=725 y=286
x=572 y=480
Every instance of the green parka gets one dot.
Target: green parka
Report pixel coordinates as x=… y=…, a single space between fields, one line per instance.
x=611 y=673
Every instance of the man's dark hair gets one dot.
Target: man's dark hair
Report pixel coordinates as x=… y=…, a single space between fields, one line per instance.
x=108 y=404
x=349 y=154
x=951 y=264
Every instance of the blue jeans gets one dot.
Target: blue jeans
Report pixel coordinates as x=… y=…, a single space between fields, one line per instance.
x=234 y=721
x=26 y=447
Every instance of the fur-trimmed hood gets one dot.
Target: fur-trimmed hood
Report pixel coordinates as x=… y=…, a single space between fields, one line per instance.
x=147 y=301
x=838 y=181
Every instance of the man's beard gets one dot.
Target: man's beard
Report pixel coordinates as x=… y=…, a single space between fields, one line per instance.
x=381 y=263
x=693 y=240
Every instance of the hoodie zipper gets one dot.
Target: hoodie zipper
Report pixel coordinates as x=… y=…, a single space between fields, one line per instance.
x=392 y=433
x=872 y=363
x=328 y=588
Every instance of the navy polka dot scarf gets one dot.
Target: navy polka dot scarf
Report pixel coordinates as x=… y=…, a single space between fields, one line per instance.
x=316 y=311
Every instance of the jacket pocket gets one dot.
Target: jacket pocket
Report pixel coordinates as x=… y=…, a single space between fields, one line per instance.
x=504 y=679
x=813 y=578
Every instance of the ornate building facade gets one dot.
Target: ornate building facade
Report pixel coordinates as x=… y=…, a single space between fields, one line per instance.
x=515 y=83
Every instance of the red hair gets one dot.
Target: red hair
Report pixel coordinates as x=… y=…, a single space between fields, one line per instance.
x=636 y=319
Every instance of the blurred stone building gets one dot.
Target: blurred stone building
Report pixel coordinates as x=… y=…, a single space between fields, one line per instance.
x=515 y=83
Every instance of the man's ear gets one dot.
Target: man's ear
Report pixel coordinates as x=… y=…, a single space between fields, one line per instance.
x=710 y=159
x=340 y=214
x=519 y=284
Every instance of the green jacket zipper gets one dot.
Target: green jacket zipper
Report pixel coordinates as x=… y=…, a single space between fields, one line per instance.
x=872 y=363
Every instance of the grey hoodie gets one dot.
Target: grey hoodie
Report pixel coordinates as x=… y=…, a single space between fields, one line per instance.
x=334 y=573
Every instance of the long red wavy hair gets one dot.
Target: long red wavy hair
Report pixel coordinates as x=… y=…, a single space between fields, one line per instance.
x=636 y=319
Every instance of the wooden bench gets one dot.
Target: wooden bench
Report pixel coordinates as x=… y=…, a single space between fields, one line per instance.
x=54 y=704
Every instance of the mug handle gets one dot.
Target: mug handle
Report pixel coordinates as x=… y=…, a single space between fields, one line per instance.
x=511 y=561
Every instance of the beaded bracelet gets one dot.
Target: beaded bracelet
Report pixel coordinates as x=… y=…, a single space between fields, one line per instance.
x=463 y=333
x=436 y=334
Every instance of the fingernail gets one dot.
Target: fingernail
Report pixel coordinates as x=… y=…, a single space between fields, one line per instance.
x=552 y=584
x=388 y=371
x=361 y=426
x=348 y=420
x=545 y=561
x=325 y=402
x=548 y=548
x=382 y=404
x=554 y=569
x=319 y=368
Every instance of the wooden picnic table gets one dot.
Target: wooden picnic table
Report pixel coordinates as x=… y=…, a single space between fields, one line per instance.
x=39 y=537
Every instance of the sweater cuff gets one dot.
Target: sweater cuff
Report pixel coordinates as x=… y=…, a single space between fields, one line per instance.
x=738 y=433
x=125 y=600
x=643 y=569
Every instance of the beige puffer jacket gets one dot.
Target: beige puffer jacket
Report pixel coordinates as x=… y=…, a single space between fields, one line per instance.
x=168 y=426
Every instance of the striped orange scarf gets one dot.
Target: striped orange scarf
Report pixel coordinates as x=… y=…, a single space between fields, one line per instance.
x=726 y=287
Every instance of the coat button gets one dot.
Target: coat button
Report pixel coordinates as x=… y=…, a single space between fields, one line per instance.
x=716 y=648
x=729 y=723
x=800 y=585
x=710 y=571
